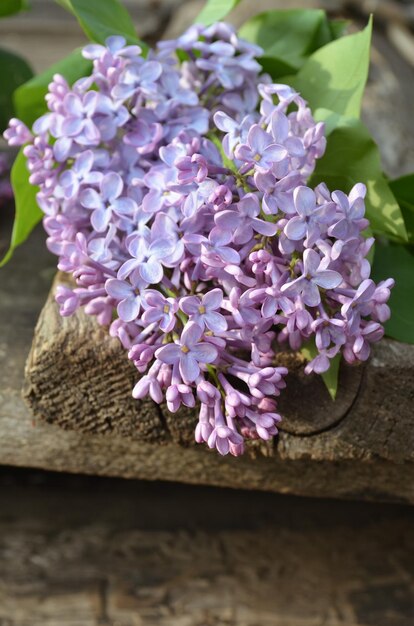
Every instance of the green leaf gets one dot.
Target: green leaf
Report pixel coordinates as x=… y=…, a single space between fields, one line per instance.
x=334 y=76
x=100 y=20
x=338 y=28
x=351 y=157
x=396 y=261
x=10 y=7
x=403 y=190
x=287 y=37
x=29 y=99
x=330 y=378
x=215 y=10
x=309 y=351
x=28 y=213
x=14 y=72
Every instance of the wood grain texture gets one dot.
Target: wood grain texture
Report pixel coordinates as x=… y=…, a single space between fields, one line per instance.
x=79 y=378
x=88 y=552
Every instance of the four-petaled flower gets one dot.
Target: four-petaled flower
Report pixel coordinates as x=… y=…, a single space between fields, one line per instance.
x=107 y=201
x=128 y=295
x=310 y=216
x=244 y=221
x=147 y=257
x=260 y=150
x=313 y=277
x=204 y=311
x=159 y=309
x=189 y=353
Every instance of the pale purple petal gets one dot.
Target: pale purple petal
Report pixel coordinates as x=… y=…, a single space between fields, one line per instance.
x=258 y=138
x=151 y=271
x=111 y=186
x=152 y=315
x=189 y=367
x=204 y=352
x=224 y=122
x=127 y=267
x=274 y=153
x=100 y=219
x=268 y=229
x=84 y=162
x=118 y=289
x=328 y=279
x=190 y=305
x=280 y=126
x=128 y=309
x=310 y=294
x=90 y=199
x=215 y=322
x=62 y=148
x=191 y=334
x=311 y=261
x=73 y=104
x=161 y=248
x=72 y=126
x=305 y=200
x=170 y=353
x=124 y=206
x=295 y=229
x=213 y=299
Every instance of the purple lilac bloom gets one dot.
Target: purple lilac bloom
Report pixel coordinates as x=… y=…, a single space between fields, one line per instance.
x=175 y=191
x=189 y=353
x=203 y=310
x=312 y=278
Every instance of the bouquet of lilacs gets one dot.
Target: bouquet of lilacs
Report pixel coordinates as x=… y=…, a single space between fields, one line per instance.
x=175 y=192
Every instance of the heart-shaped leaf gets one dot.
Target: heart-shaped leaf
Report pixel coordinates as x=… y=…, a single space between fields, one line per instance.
x=334 y=76
x=288 y=37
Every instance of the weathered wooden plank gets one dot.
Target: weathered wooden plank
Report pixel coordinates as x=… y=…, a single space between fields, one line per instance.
x=89 y=552
x=80 y=379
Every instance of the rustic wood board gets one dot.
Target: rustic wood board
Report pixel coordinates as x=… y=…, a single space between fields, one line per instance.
x=79 y=378
x=90 y=552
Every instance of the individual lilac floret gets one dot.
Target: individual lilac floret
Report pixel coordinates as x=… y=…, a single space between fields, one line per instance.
x=260 y=150
x=128 y=296
x=313 y=277
x=204 y=310
x=189 y=353
x=160 y=309
x=310 y=218
x=106 y=202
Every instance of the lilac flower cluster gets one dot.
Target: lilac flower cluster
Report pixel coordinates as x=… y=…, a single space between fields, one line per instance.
x=174 y=191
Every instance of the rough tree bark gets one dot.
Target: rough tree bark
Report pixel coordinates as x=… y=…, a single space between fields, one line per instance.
x=362 y=445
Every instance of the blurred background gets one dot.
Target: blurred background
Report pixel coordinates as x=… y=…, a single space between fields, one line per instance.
x=89 y=551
